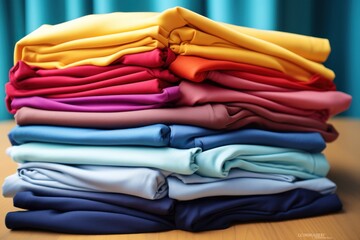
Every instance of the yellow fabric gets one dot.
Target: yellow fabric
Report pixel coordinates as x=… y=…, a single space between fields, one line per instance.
x=101 y=39
x=316 y=49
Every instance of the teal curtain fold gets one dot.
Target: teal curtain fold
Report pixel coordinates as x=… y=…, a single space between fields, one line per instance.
x=260 y=14
x=77 y=8
x=336 y=20
x=353 y=53
x=39 y=12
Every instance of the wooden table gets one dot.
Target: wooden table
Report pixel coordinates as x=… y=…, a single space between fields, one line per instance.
x=343 y=155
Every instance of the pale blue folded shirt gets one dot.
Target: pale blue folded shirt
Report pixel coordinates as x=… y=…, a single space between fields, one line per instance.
x=93 y=178
x=160 y=135
x=216 y=162
x=169 y=159
x=44 y=177
x=141 y=182
x=243 y=186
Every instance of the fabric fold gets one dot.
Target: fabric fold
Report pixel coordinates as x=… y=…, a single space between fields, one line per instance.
x=248 y=81
x=186 y=136
x=216 y=162
x=169 y=159
x=244 y=187
x=13 y=184
x=151 y=85
x=87 y=221
x=26 y=76
x=197 y=215
x=160 y=135
x=107 y=103
x=213 y=116
x=217 y=214
x=234 y=173
x=156 y=135
x=317 y=105
x=182 y=30
x=141 y=182
x=227 y=73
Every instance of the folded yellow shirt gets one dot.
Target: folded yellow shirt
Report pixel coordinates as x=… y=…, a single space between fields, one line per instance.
x=101 y=39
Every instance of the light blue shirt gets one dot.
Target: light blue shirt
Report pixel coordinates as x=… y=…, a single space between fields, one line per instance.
x=141 y=182
x=160 y=135
x=243 y=186
x=216 y=162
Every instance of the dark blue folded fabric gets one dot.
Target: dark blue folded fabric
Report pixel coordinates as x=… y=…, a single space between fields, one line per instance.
x=163 y=206
x=184 y=136
x=81 y=215
x=160 y=135
x=27 y=200
x=84 y=222
x=212 y=213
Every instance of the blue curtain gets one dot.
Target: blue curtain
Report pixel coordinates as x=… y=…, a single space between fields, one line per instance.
x=335 y=20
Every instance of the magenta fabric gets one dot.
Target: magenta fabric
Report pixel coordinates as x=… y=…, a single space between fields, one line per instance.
x=213 y=116
x=109 y=103
x=144 y=87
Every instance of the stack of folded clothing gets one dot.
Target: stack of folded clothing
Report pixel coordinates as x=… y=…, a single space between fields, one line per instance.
x=144 y=122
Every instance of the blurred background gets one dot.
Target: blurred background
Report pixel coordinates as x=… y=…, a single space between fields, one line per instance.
x=333 y=19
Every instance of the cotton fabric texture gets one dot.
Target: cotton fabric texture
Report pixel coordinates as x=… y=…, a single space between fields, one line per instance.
x=54 y=213
x=183 y=31
x=164 y=121
x=216 y=162
x=160 y=135
x=214 y=116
